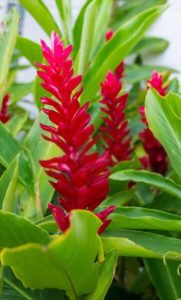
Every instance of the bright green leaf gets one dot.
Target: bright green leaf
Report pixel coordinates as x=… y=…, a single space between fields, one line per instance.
x=16 y=231
x=150 y=178
x=41 y=14
x=29 y=49
x=71 y=259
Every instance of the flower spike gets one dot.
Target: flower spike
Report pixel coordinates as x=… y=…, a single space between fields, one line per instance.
x=115 y=130
x=4 y=116
x=157 y=156
x=79 y=176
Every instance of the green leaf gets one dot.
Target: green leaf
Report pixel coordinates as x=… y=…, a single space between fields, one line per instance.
x=141 y=244
x=71 y=259
x=40 y=150
x=9 y=197
x=29 y=49
x=165 y=278
x=10 y=146
x=164 y=119
x=174 y=85
x=136 y=73
x=65 y=9
x=41 y=14
x=86 y=37
x=106 y=274
x=117 y=49
x=151 y=178
x=77 y=30
x=127 y=9
x=5 y=180
x=119 y=198
x=104 y=9
x=16 y=123
x=8 y=33
x=16 y=231
x=150 y=44
x=144 y=218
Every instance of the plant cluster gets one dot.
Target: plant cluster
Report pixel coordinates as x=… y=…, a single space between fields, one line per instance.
x=90 y=190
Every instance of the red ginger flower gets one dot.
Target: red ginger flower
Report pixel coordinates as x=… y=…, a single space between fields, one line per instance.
x=157 y=157
x=4 y=116
x=115 y=131
x=156 y=82
x=80 y=177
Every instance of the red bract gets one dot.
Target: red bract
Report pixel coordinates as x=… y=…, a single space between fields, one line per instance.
x=157 y=157
x=80 y=176
x=109 y=34
x=4 y=116
x=156 y=82
x=115 y=130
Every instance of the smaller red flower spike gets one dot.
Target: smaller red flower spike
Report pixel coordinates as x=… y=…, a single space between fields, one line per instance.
x=80 y=176
x=156 y=82
x=4 y=116
x=115 y=130
x=157 y=157
x=109 y=35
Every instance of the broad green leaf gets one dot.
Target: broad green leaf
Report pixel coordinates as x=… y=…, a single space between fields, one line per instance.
x=8 y=33
x=136 y=73
x=16 y=231
x=144 y=218
x=150 y=178
x=10 y=146
x=41 y=14
x=77 y=30
x=16 y=123
x=110 y=55
x=102 y=19
x=71 y=259
x=106 y=274
x=165 y=278
x=142 y=244
x=127 y=9
x=86 y=37
x=65 y=9
x=29 y=49
x=9 y=198
x=164 y=119
x=150 y=44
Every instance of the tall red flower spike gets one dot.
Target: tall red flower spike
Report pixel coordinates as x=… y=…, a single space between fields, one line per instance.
x=4 y=116
x=115 y=130
x=80 y=176
x=157 y=157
